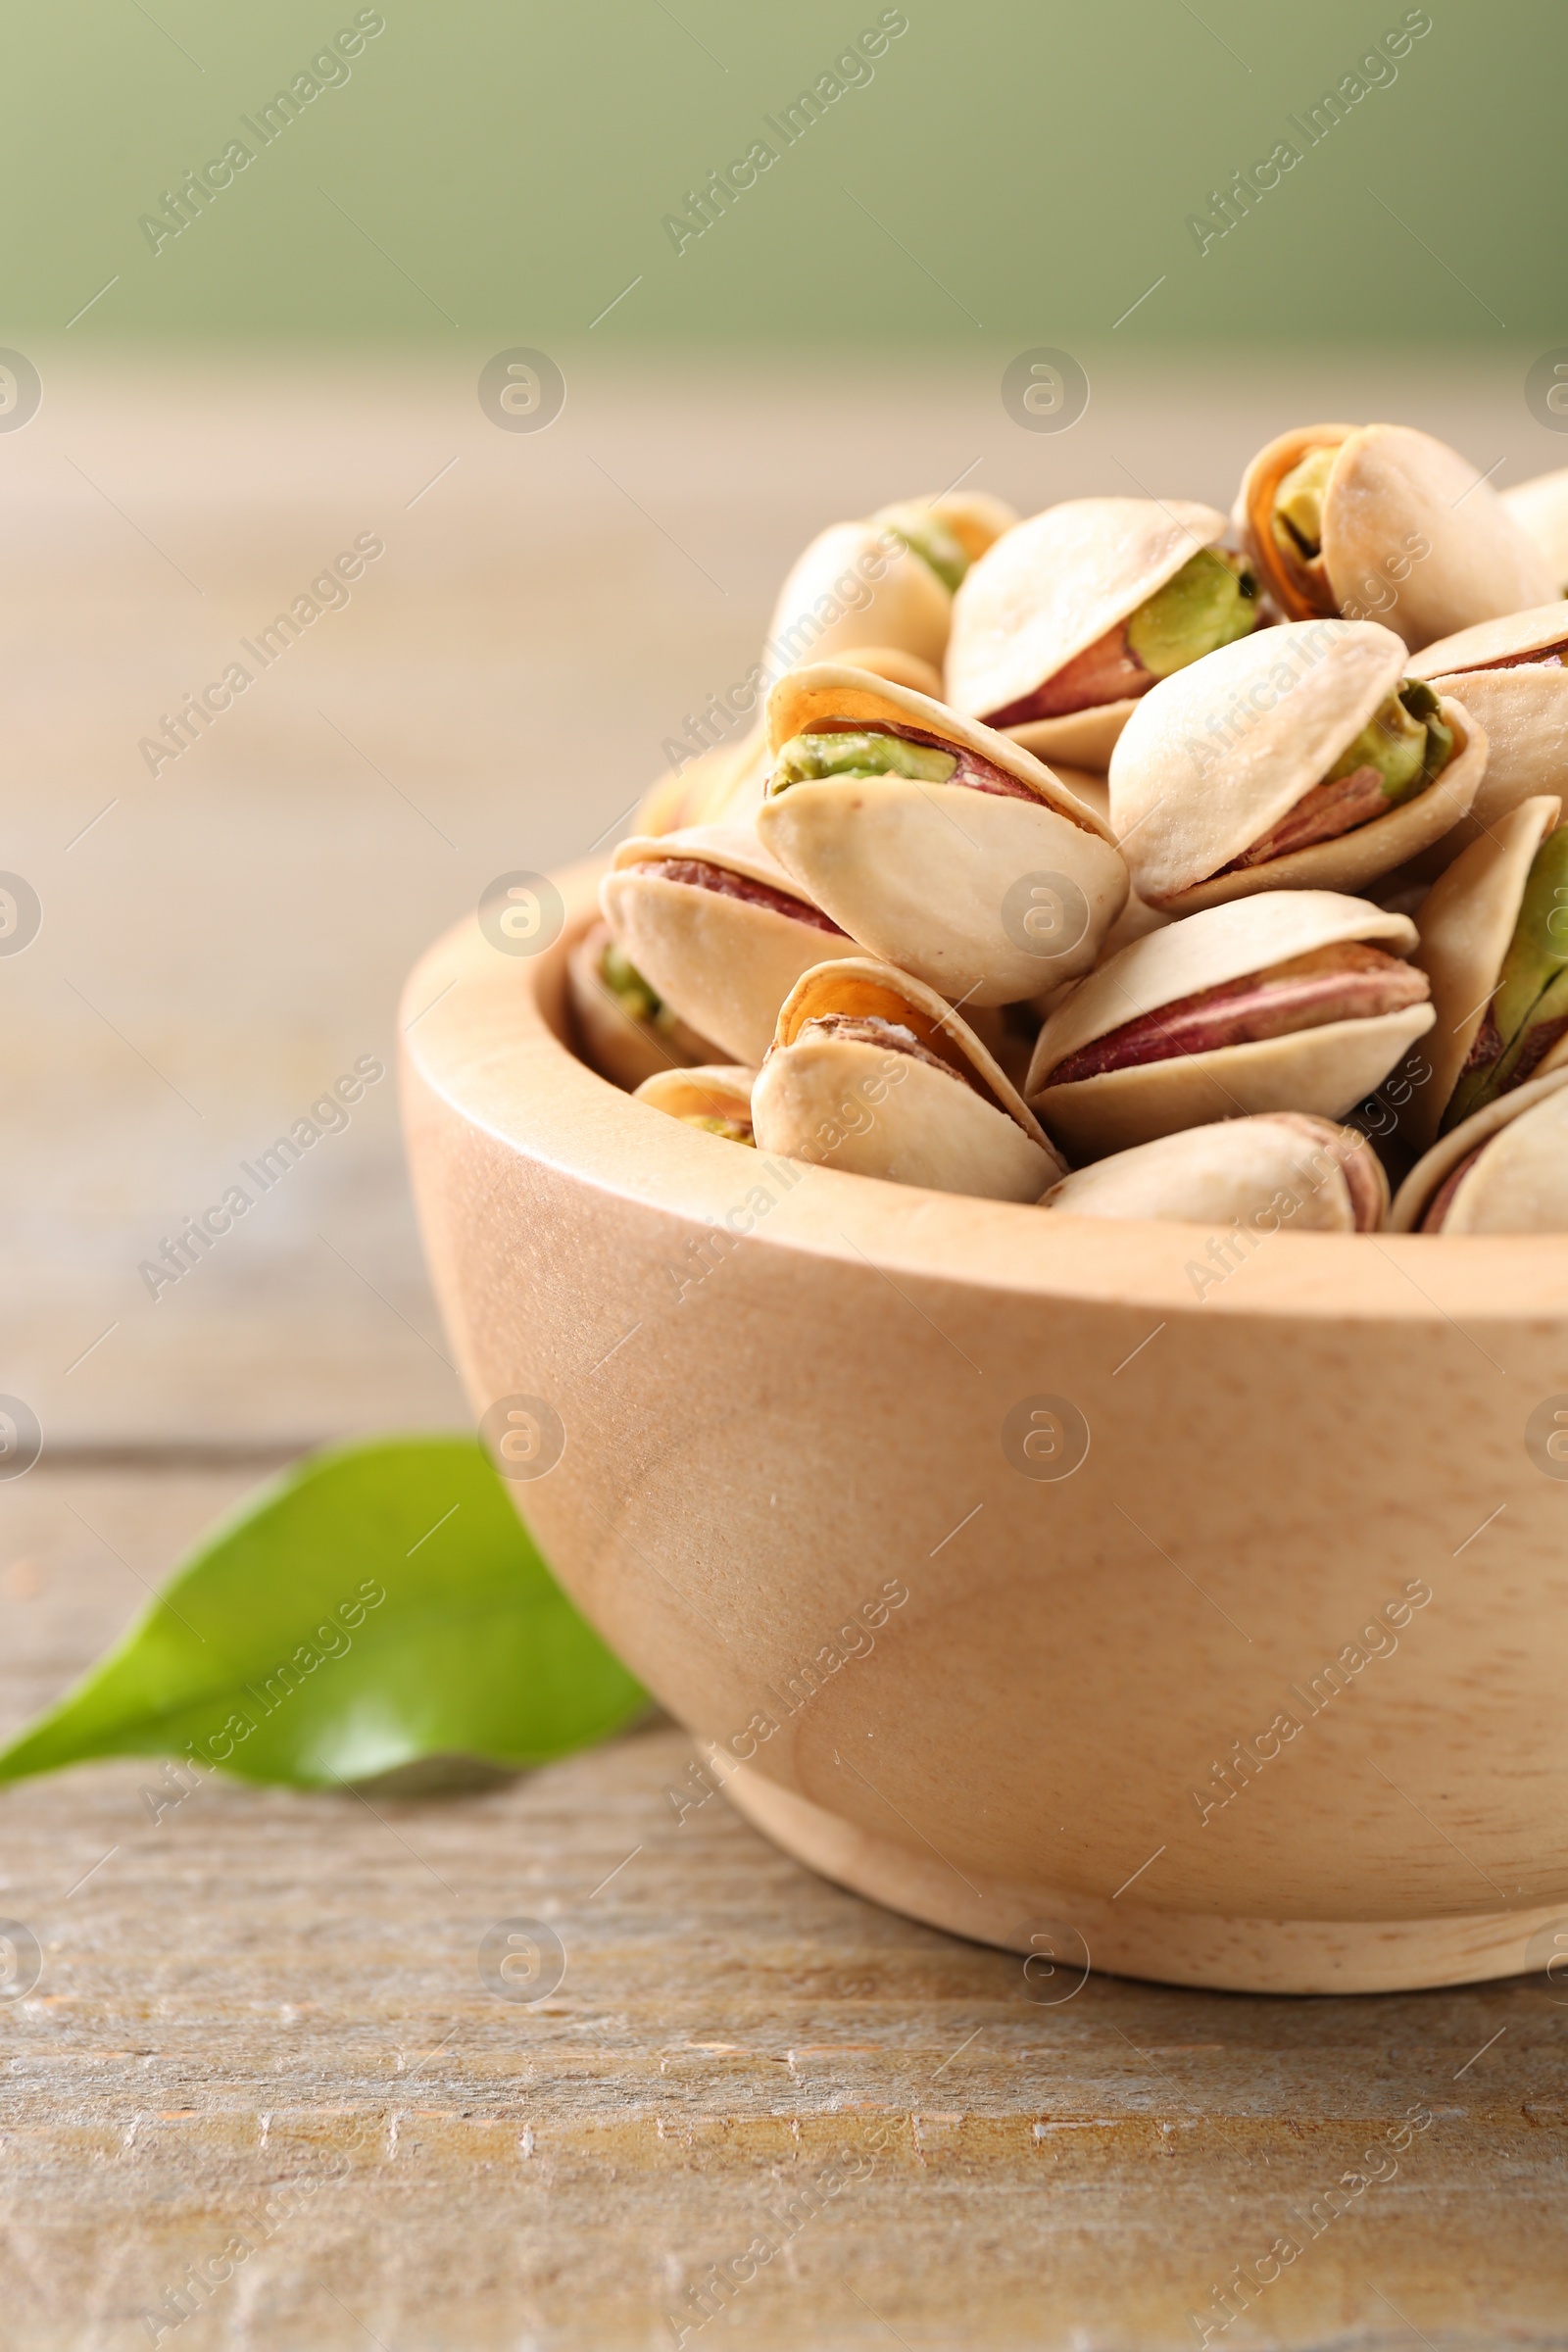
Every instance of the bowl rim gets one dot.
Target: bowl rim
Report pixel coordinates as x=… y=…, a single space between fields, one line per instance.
x=488 y=1032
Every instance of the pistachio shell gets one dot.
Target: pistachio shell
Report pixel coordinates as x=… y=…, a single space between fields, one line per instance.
x=1051 y=588
x=1519 y=1184
x=1216 y=755
x=1324 y=1070
x=1466 y=922
x=1502 y=640
x=1394 y=493
x=1281 y=1167
x=730 y=799
x=920 y=871
x=857 y=584
x=1523 y=711
x=614 y=1042
x=1299 y=589
x=872 y=1111
x=1539 y=506
x=696 y=794
x=1084 y=738
x=975 y=517
x=1090 y=785
x=1204 y=951
x=725 y=964
x=1413 y=829
x=898 y=669
x=712 y=1091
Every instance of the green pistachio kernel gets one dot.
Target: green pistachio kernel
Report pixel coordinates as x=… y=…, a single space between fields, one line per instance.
x=925 y=535
x=1423 y=703
x=807 y=756
x=626 y=983
x=1210 y=603
x=1298 y=505
x=1405 y=740
x=1533 y=983
x=712 y=1123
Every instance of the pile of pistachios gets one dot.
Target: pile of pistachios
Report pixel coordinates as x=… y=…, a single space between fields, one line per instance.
x=1280 y=934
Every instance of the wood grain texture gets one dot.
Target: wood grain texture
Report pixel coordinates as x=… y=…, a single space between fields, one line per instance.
x=258 y=1991
x=261 y=1994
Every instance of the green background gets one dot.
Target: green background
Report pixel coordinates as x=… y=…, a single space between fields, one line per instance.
x=1030 y=170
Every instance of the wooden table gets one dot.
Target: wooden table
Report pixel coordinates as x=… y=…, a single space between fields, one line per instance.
x=250 y=1996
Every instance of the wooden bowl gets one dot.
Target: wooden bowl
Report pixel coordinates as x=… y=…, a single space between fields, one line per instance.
x=1123 y=1592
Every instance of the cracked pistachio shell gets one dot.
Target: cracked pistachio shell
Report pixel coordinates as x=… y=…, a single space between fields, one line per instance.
x=1214 y=757
x=857 y=584
x=1051 y=589
x=921 y=872
x=708 y=1091
x=618 y=1045
x=724 y=965
x=732 y=796
x=1391 y=494
x=697 y=792
x=872 y=1111
x=975 y=517
x=1466 y=922
x=1280 y=1164
x=1522 y=711
x=1323 y=1071
x=1519 y=1184
x=1539 y=506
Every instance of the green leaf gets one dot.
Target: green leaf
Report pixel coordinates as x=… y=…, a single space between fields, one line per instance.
x=377 y=1603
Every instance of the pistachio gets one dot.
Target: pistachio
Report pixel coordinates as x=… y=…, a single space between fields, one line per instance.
x=718 y=927
x=1357 y=520
x=887 y=581
x=871 y=1072
x=928 y=537
x=716 y=1099
x=1510 y=675
x=977 y=519
x=1274 y=1170
x=704 y=789
x=1301 y=1002
x=626 y=1029
x=1540 y=507
x=1467 y=921
x=1051 y=627
x=911 y=826
x=1298 y=757
x=1504 y=1169
x=858 y=584
x=627 y=986
x=1494 y=943
x=1171 y=969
